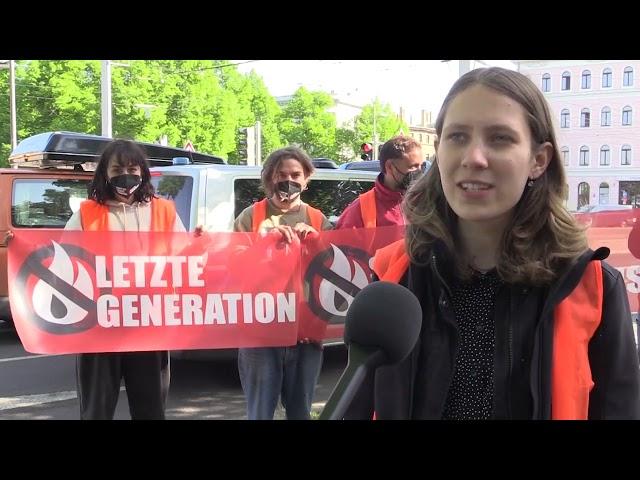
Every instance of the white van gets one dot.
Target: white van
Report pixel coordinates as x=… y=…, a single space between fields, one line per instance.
x=213 y=195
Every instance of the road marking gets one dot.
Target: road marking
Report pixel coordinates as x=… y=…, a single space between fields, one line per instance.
x=23 y=401
x=28 y=357
x=8 y=403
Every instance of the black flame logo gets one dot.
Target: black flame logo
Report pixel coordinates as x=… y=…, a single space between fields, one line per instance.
x=330 y=287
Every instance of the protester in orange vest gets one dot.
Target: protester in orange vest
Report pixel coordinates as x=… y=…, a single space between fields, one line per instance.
x=521 y=320
x=291 y=373
x=121 y=198
x=401 y=163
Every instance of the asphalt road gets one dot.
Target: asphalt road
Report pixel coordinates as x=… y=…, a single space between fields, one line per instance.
x=43 y=387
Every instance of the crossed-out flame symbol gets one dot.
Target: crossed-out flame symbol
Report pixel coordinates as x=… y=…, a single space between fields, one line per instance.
x=53 y=306
x=328 y=292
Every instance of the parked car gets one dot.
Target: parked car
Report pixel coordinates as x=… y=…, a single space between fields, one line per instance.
x=324 y=163
x=366 y=165
x=373 y=165
x=612 y=215
x=214 y=195
x=50 y=178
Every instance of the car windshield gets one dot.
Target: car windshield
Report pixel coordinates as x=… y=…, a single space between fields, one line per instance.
x=46 y=203
x=177 y=188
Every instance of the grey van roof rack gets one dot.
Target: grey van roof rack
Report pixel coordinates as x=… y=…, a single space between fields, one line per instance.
x=68 y=149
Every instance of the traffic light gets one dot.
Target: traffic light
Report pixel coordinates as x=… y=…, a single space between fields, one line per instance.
x=367 y=151
x=246 y=146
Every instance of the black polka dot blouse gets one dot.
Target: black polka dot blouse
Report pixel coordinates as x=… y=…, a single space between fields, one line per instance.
x=470 y=395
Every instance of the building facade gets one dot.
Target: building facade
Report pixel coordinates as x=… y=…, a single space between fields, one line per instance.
x=595 y=109
x=422 y=130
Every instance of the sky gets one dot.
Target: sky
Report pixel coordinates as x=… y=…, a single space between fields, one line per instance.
x=413 y=84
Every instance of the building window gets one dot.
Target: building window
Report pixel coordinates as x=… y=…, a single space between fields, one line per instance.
x=626 y=115
x=586 y=79
x=428 y=139
x=627 y=79
x=583 y=194
x=605 y=155
x=566 y=81
x=625 y=156
x=585 y=117
x=605 y=117
x=584 y=156
x=546 y=82
x=565 y=156
x=603 y=198
x=606 y=78
x=564 y=119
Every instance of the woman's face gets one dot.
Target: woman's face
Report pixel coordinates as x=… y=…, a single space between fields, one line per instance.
x=485 y=155
x=114 y=169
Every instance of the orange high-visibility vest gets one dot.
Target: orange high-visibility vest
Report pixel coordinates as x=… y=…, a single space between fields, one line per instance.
x=576 y=319
x=260 y=214
x=368 y=208
x=94 y=216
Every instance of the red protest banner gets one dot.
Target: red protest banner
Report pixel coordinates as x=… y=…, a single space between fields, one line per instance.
x=620 y=232
x=75 y=292
x=335 y=267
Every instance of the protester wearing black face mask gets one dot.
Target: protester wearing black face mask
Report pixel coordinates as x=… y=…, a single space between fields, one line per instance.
x=288 y=190
x=405 y=180
x=121 y=198
x=284 y=181
x=401 y=164
x=124 y=185
x=288 y=373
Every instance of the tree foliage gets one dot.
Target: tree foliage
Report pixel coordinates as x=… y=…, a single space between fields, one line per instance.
x=202 y=101
x=306 y=122
x=387 y=125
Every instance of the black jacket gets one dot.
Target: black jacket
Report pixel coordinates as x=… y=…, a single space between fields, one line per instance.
x=417 y=387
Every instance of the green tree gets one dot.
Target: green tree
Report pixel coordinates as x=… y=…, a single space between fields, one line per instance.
x=58 y=95
x=345 y=141
x=186 y=101
x=52 y=95
x=388 y=124
x=203 y=101
x=253 y=103
x=306 y=122
x=5 y=122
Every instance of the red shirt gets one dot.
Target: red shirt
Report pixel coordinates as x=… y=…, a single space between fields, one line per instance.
x=387 y=209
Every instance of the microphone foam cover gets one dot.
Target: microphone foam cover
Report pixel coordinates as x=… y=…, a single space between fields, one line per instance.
x=387 y=316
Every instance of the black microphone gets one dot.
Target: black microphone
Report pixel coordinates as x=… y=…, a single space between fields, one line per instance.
x=381 y=328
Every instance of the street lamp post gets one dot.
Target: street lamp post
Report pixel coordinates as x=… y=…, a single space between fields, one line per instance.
x=105 y=91
x=464 y=66
x=12 y=95
x=375 y=132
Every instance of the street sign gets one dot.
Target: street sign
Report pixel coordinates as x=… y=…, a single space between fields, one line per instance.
x=189 y=146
